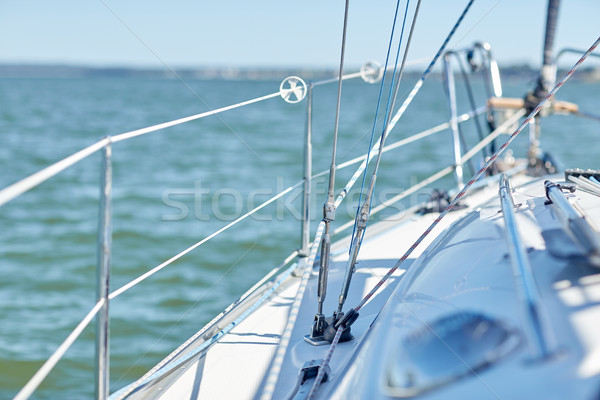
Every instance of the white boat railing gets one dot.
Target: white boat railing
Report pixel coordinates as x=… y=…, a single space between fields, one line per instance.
x=493 y=89
x=104 y=296
x=101 y=308
x=104 y=240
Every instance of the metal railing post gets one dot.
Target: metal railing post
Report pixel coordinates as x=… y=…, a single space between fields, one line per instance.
x=103 y=276
x=305 y=227
x=491 y=72
x=534 y=151
x=458 y=165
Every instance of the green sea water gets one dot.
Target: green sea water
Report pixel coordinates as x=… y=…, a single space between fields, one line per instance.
x=175 y=187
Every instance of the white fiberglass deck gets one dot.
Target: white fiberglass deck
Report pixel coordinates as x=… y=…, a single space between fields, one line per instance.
x=466 y=268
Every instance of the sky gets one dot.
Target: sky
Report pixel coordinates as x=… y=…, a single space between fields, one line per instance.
x=271 y=33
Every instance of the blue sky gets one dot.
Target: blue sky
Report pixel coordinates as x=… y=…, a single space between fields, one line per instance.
x=268 y=33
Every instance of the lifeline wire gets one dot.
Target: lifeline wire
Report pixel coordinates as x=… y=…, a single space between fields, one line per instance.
x=400 y=143
x=442 y=173
x=34 y=180
x=16 y=189
x=213 y=324
x=197 y=244
x=51 y=362
x=525 y=122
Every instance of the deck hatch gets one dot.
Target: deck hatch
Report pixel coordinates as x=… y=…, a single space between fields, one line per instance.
x=449 y=348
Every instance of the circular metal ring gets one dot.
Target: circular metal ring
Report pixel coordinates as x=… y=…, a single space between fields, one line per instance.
x=371 y=72
x=292 y=89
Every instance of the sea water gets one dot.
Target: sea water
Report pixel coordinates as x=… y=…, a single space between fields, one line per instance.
x=175 y=187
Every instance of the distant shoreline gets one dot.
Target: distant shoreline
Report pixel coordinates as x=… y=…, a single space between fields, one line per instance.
x=223 y=73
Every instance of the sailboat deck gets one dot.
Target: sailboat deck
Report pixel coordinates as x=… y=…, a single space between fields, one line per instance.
x=237 y=365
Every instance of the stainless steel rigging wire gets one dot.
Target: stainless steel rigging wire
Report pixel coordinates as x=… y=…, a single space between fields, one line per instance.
x=329 y=206
x=363 y=211
x=525 y=122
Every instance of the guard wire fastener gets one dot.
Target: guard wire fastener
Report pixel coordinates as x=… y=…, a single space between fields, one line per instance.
x=344 y=321
x=565 y=186
x=320 y=323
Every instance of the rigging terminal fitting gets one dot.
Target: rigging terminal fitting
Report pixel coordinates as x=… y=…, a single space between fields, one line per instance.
x=324 y=329
x=361 y=224
x=320 y=323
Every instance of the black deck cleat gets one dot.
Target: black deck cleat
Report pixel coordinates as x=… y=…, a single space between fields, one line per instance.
x=345 y=320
